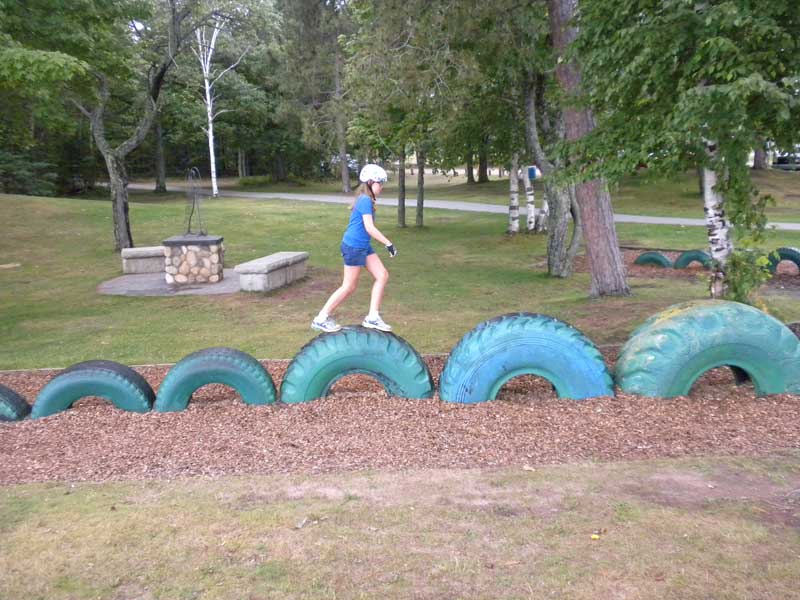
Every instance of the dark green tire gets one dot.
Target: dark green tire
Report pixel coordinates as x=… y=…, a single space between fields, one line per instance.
x=690 y=256
x=118 y=383
x=790 y=254
x=13 y=406
x=227 y=366
x=655 y=259
x=329 y=357
x=671 y=350
x=498 y=350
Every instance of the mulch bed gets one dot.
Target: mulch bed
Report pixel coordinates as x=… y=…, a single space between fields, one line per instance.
x=360 y=427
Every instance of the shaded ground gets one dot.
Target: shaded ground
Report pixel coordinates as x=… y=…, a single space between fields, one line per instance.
x=360 y=427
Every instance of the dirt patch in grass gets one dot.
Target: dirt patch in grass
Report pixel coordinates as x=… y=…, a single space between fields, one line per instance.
x=361 y=427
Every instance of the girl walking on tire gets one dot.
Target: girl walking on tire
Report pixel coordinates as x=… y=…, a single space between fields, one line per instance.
x=357 y=252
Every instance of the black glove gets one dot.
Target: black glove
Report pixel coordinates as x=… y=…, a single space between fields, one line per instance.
x=391 y=250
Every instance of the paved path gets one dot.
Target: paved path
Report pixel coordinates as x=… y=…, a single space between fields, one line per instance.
x=445 y=205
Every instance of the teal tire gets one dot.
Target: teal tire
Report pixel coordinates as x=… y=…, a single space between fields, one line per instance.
x=13 y=407
x=790 y=254
x=690 y=256
x=498 y=350
x=655 y=259
x=329 y=357
x=227 y=366
x=671 y=350
x=122 y=386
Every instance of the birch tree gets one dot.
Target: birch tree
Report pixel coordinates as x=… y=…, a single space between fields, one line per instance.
x=703 y=83
x=203 y=48
x=513 y=190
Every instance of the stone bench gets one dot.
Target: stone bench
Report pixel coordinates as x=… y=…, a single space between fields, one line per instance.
x=271 y=272
x=147 y=259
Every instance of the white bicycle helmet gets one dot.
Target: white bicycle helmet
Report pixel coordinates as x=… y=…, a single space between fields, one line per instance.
x=372 y=173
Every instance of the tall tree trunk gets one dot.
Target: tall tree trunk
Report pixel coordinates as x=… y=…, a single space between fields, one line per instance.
x=559 y=201
x=530 y=202
x=483 y=163
x=420 y=186
x=279 y=168
x=212 y=160
x=161 y=168
x=513 y=190
x=560 y=254
x=93 y=164
x=118 y=186
x=241 y=162
x=341 y=131
x=700 y=183
x=470 y=167
x=401 y=187
x=760 y=158
x=543 y=216
x=719 y=240
x=597 y=217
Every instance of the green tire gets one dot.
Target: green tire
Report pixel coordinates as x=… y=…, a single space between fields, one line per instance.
x=500 y=349
x=13 y=406
x=120 y=384
x=790 y=254
x=655 y=259
x=227 y=366
x=329 y=357
x=690 y=256
x=666 y=355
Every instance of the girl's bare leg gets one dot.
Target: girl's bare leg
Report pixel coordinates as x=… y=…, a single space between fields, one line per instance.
x=381 y=275
x=349 y=285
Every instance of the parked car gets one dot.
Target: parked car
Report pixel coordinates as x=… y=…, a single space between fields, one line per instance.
x=786 y=162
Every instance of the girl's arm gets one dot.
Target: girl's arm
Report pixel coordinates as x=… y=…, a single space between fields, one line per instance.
x=369 y=225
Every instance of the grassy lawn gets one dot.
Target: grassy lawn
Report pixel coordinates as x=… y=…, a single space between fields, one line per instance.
x=689 y=528
x=639 y=195
x=456 y=272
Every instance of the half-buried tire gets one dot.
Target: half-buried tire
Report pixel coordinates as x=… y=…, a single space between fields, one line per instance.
x=227 y=366
x=790 y=254
x=690 y=256
x=498 y=350
x=666 y=355
x=655 y=259
x=13 y=406
x=124 y=387
x=329 y=357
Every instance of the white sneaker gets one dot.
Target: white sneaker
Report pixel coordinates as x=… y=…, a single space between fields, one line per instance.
x=376 y=323
x=329 y=325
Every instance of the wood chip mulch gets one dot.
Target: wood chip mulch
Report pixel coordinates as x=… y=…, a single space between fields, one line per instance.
x=360 y=427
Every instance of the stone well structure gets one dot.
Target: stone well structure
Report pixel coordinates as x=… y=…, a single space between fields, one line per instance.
x=191 y=259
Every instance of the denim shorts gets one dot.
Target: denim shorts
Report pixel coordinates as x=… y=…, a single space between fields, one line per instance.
x=356 y=257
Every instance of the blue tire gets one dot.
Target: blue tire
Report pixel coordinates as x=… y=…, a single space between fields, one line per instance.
x=666 y=355
x=690 y=256
x=329 y=357
x=227 y=366
x=498 y=350
x=790 y=254
x=655 y=259
x=120 y=384
x=13 y=406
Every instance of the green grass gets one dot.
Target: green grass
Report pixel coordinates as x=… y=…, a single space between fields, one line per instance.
x=667 y=529
x=456 y=272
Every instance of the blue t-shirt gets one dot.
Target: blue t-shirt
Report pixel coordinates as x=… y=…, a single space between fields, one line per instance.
x=356 y=235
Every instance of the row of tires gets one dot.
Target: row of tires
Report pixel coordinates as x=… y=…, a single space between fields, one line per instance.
x=662 y=358
x=685 y=259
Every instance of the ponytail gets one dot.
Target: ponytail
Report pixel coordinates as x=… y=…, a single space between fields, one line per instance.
x=366 y=190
